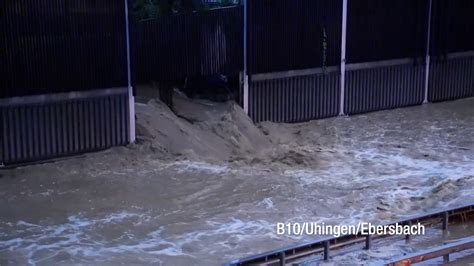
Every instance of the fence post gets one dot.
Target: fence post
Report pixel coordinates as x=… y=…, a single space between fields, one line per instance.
x=245 y=74
x=131 y=98
x=428 y=58
x=343 y=57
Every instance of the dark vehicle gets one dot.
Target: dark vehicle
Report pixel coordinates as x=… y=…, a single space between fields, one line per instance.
x=214 y=87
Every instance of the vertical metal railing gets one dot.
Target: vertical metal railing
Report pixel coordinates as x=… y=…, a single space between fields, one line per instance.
x=245 y=72
x=428 y=58
x=343 y=57
x=131 y=98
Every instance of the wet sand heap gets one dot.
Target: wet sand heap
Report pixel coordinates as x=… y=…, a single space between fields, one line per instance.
x=215 y=132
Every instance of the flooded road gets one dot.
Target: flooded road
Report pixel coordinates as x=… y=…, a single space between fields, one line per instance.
x=130 y=205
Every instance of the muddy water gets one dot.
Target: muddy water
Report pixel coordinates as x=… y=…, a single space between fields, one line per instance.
x=128 y=206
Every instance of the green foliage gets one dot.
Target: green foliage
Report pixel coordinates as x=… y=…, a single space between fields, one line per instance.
x=143 y=9
x=146 y=9
x=228 y=3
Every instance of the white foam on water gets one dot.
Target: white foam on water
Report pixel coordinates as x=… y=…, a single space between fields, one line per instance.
x=385 y=166
x=221 y=231
x=204 y=167
x=267 y=203
x=223 y=234
x=23 y=223
x=239 y=227
x=406 y=182
x=121 y=216
x=81 y=237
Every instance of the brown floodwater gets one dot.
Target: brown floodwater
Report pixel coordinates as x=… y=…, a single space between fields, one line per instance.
x=129 y=205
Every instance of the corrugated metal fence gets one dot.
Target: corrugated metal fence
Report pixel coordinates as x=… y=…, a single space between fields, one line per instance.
x=386 y=64
x=300 y=35
x=386 y=46
x=64 y=86
x=55 y=46
x=38 y=128
x=389 y=84
x=452 y=50
x=295 y=98
x=385 y=30
x=293 y=34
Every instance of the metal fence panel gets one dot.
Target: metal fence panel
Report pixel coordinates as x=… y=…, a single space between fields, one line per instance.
x=451 y=79
x=44 y=129
x=295 y=99
x=55 y=46
x=452 y=50
x=382 y=30
x=452 y=27
x=379 y=88
x=290 y=34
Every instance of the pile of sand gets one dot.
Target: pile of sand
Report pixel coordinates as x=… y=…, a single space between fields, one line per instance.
x=198 y=130
x=210 y=131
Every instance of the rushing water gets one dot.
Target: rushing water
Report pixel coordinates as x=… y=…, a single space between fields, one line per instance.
x=127 y=207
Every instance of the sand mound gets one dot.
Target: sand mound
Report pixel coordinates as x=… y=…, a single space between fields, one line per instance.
x=198 y=130
x=204 y=130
